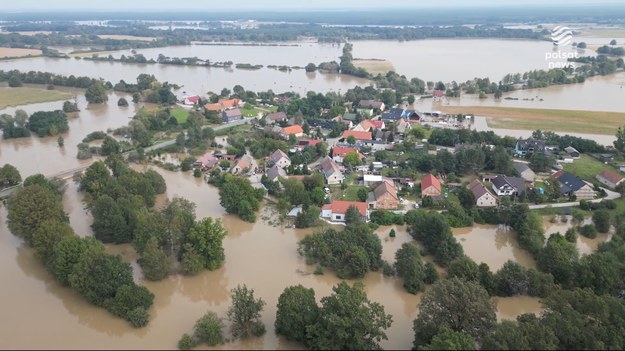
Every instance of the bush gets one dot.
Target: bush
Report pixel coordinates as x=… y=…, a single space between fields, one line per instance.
x=139 y=317
x=387 y=269
x=588 y=231
x=209 y=329
x=122 y=102
x=571 y=235
x=186 y=342
x=392 y=233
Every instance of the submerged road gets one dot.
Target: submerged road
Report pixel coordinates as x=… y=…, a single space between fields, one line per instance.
x=68 y=173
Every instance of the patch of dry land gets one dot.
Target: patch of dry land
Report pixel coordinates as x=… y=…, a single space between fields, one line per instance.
x=15 y=52
x=594 y=122
x=604 y=32
x=374 y=66
x=25 y=96
x=125 y=37
x=34 y=32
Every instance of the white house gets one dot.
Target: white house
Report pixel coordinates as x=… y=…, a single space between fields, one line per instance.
x=279 y=158
x=483 y=197
x=331 y=171
x=336 y=210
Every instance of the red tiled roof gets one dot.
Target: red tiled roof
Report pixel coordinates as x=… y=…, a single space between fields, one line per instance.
x=429 y=180
x=194 y=99
x=611 y=176
x=309 y=142
x=292 y=130
x=213 y=107
x=557 y=174
x=227 y=103
x=357 y=134
x=438 y=93
x=342 y=150
x=342 y=206
x=377 y=124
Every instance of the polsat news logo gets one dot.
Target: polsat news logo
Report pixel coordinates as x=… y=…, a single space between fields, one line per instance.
x=561 y=36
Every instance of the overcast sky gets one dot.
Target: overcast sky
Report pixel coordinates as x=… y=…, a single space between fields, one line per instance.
x=242 y=5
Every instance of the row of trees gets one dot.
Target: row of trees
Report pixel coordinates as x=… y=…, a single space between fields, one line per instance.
x=43 y=123
x=121 y=204
x=36 y=215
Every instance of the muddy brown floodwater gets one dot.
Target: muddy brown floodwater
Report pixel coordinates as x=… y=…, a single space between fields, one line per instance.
x=257 y=254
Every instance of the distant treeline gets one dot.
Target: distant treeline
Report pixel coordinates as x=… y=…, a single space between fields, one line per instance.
x=87 y=35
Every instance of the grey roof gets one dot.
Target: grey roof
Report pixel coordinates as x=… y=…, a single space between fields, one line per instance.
x=569 y=182
x=370 y=103
x=276 y=116
x=521 y=167
x=570 y=149
x=235 y=112
x=278 y=155
x=537 y=145
x=274 y=172
x=349 y=116
x=393 y=114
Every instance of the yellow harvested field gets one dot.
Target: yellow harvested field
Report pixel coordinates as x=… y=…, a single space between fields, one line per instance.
x=125 y=37
x=15 y=52
x=374 y=66
x=25 y=96
x=594 y=122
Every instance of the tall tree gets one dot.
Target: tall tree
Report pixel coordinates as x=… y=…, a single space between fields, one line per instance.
x=206 y=237
x=9 y=176
x=456 y=304
x=96 y=93
x=244 y=313
x=408 y=266
x=349 y=321
x=29 y=207
x=297 y=309
x=154 y=262
x=209 y=329
x=619 y=143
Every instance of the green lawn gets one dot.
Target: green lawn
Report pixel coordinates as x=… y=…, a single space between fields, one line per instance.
x=25 y=96
x=181 y=115
x=349 y=194
x=586 y=167
x=255 y=110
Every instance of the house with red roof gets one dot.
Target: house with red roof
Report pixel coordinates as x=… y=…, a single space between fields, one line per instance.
x=359 y=135
x=363 y=126
x=206 y=162
x=339 y=153
x=191 y=100
x=609 y=178
x=336 y=210
x=295 y=130
x=430 y=186
x=378 y=124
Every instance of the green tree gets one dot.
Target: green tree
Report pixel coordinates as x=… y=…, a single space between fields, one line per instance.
x=122 y=102
x=430 y=273
x=9 y=176
x=455 y=304
x=349 y=321
x=311 y=67
x=29 y=206
x=466 y=198
x=464 y=268
x=15 y=81
x=506 y=336
x=238 y=196
x=209 y=329
x=206 y=239
x=502 y=162
x=619 y=143
x=601 y=220
x=297 y=309
x=363 y=193
x=46 y=123
x=352 y=215
x=408 y=266
x=46 y=236
x=511 y=280
x=154 y=262
x=186 y=342
x=110 y=146
x=451 y=340
x=98 y=278
x=109 y=223
x=191 y=262
x=131 y=302
x=60 y=141
x=560 y=258
x=351 y=160
x=70 y=251
x=540 y=162
x=244 y=313
x=96 y=93
x=351 y=140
